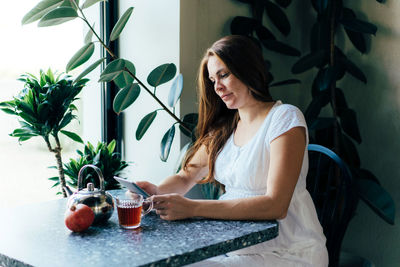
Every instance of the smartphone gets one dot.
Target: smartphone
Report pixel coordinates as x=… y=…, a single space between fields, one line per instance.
x=132 y=186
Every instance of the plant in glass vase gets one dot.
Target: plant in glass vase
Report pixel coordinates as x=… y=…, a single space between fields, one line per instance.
x=45 y=107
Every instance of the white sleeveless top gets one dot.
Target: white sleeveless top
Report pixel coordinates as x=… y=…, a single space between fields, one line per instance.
x=243 y=171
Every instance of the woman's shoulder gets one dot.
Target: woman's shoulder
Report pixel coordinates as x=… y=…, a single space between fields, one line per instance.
x=283 y=109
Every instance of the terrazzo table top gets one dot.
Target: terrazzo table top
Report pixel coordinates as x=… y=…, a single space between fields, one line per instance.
x=35 y=235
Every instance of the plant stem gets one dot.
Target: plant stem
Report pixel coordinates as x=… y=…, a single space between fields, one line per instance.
x=133 y=76
x=333 y=84
x=57 y=153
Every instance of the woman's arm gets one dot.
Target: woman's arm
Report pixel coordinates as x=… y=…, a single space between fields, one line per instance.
x=184 y=180
x=287 y=152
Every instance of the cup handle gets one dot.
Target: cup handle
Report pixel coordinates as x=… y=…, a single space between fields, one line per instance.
x=147 y=200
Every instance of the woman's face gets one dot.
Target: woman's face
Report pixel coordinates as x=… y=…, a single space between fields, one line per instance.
x=228 y=87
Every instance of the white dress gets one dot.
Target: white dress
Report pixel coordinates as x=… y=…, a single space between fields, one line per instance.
x=243 y=171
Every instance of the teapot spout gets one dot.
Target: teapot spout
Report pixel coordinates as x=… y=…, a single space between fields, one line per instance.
x=68 y=190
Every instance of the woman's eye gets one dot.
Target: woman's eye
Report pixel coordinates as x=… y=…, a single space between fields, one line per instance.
x=224 y=75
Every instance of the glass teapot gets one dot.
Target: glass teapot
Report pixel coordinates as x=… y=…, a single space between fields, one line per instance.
x=100 y=201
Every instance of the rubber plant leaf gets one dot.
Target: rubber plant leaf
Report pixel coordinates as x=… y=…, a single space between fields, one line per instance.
x=278 y=17
x=357 y=25
x=285 y=82
x=257 y=7
x=73 y=136
x=377 y=198
x=189 y=120
x=349 y=124
x=40 y=9
x=125 y=78
x=161 y=74
x=89 y=36
x=283 y=3
x=264 y=34
x=349 y=151
x=89 y=3
x=352 y=69
x=281 y=48
x=125 y=97
x=308 y=61
x=166 y=143
x=175 y=91
x=89 y=69
x=116 y=70
x=81 y=56
x=356 y=38
x=243 y=25
x=119 y=26
x=58 y=16
x=144 y=124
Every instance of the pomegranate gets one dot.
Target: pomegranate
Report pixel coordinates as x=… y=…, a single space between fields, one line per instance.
x=79 y=217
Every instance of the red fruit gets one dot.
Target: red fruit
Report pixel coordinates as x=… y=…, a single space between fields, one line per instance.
x=79 y=217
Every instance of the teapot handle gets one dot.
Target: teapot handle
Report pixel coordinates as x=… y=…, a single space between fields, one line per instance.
x=99 y=174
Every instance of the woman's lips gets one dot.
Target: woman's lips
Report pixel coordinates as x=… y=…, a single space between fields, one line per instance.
x=224 y=97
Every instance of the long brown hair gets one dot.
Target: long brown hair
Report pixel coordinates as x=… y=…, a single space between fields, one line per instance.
x=243 y=57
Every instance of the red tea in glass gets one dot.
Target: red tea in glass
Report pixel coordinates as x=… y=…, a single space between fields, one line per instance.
x=129 y=217
x=130 y=211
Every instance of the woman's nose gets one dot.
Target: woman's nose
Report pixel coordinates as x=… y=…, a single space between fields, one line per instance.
x=218 y=85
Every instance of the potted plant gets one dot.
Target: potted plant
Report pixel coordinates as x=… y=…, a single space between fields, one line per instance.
x=102 y=156
x=44 y=108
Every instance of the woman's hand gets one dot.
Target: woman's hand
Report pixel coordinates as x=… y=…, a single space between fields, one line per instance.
x=173 y=206
x=150 y=188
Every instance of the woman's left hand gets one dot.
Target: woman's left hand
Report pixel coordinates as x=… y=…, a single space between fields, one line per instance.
x=173 y=206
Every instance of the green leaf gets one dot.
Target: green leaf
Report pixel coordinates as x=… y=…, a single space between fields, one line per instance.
x=111 y=146
x=357 y=25
x=166 y=143
x=189 y=120
x=89 y=69
x=40 y=9
x=377 y=198
x=161 y=74
x=145 y=124
x=116 y=70
x=69 y=3
x=175 y=91
x=243 y=25
x=89 y=3
x=278 y=17
x=126 y=97
x=281 y=48
x=356 y=38
x=349 y=124
x=81 y=56
x=283 y=3
x=119 y=26
x=9 y=111
x=66 y=120
x=308 y=61
x=285 y=82
x=73 y=136
x=89 y=36
x=58 y=16
x=352 y=69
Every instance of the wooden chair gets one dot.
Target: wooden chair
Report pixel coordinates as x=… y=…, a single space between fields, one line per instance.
x=331 y=186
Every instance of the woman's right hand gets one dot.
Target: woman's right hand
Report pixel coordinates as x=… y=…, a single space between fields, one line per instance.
x=150 y=188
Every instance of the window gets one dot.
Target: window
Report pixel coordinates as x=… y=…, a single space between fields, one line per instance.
x=24 y=168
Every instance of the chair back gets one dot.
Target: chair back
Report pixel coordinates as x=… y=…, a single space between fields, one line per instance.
x=331 y=186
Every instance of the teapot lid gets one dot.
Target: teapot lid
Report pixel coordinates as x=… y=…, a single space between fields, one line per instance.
x=90 y=189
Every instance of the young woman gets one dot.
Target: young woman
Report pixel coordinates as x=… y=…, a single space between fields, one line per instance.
x=256 y=147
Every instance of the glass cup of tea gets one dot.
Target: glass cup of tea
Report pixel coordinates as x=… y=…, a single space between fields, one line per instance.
x=131 y=210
